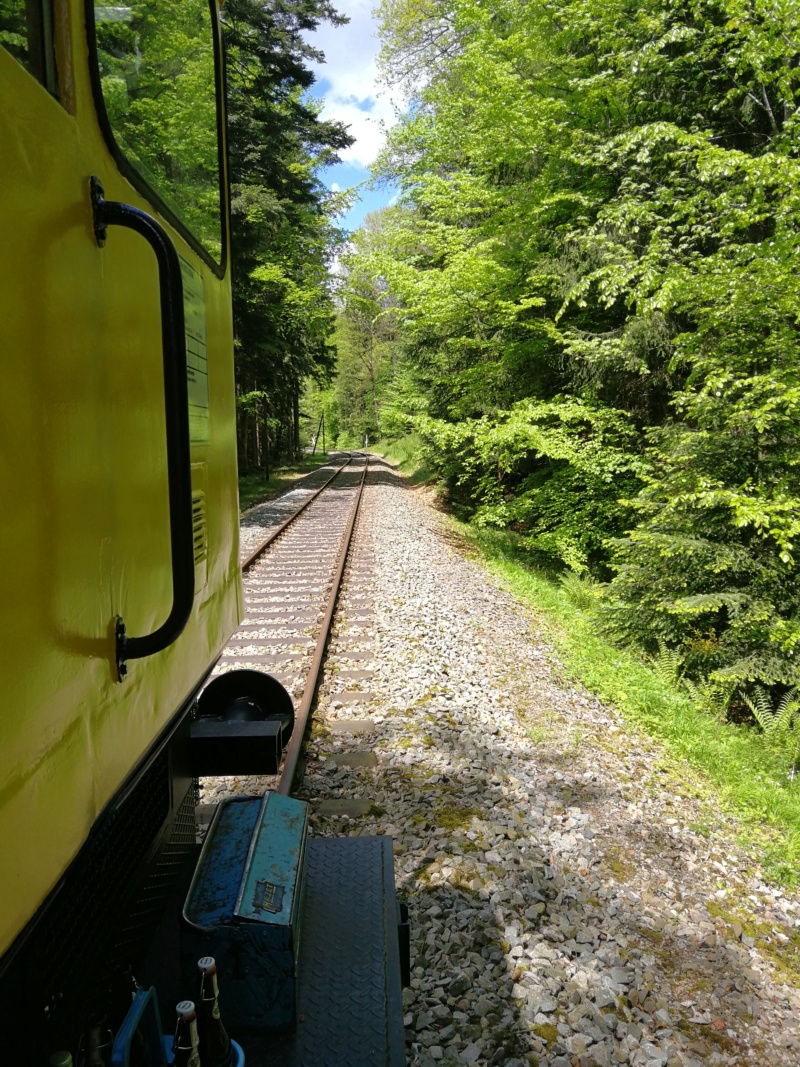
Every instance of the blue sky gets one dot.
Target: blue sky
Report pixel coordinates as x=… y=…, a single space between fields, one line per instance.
x=347 y=85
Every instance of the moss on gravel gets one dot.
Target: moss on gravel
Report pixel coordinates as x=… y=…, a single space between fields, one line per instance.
x=778 y=944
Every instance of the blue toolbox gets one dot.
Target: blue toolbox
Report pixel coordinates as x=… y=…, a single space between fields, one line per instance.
x=311 y=945
x=244 y=905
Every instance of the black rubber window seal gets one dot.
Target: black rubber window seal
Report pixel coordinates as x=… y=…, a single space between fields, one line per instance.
x=136 y=178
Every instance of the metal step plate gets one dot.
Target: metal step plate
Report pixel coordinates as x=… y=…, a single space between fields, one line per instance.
x=349 y=1010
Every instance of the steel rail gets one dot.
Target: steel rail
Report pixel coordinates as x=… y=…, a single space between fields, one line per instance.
x=254 y=555
x=302 y=714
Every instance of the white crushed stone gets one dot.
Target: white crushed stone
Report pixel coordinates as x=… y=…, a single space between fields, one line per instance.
x=571 y=899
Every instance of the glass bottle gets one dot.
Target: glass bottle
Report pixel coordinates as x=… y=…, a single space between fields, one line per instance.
x=215 y=1045
x=60 y=1059
x=185 y=1044
x=96 y=1042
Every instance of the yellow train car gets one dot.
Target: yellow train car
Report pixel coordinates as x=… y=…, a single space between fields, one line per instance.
x=120 y=579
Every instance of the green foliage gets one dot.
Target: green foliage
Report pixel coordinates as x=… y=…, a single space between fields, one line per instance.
x=157 y=75
x=14 y=29
x=781 y=724
x=668 y=665
x=283 y=236
x=739 y=773
x=320 y=404
x=580 y=591
x=365 y=339
x=550 y=470
x=593 y=270
x=711 y=696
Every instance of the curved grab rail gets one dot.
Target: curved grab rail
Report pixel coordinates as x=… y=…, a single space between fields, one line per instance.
x=107 y=213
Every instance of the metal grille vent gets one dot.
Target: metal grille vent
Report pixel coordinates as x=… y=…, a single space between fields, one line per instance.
x=199 y=527
x=146 y=909
x=60 y=965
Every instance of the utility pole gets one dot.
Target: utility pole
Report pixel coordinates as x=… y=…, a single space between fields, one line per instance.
x=316 y=436
x=266 y=441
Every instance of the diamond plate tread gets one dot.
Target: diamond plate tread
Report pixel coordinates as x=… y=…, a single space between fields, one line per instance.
x=349 y=1003
x=349 y=995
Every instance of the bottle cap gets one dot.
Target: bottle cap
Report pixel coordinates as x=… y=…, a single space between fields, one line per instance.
x=206 y=964
x=185 y=1009
x=61 y=1059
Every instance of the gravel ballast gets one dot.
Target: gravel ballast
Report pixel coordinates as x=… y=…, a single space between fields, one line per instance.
x=575 y=898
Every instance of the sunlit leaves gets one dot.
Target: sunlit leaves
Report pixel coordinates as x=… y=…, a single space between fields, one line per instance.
x=601 y=208
x=283 y=236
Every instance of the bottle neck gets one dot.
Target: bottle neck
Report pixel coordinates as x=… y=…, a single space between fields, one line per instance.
x=209 y=990
x=186 y=1034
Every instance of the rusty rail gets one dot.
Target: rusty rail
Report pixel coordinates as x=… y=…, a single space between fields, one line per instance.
x=254 y=555
x=295 y=745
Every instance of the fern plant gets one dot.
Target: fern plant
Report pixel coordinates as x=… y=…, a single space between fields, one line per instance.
x=712 y=696
x=668 y=664
x=579 y=590
x=781 y=724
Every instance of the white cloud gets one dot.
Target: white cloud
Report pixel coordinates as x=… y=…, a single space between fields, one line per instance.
x=334 y=187
x=350 y=69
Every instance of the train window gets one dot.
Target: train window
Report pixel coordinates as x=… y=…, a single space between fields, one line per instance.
x=157 y=76
x=26 y=30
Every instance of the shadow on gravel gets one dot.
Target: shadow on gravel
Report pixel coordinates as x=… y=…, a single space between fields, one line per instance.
x=382 y=473
x=526 y=944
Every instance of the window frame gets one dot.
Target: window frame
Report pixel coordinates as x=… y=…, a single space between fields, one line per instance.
x=132 y=173
x=41 y=62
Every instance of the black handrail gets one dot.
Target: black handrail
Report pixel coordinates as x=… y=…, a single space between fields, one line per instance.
x=176 y=402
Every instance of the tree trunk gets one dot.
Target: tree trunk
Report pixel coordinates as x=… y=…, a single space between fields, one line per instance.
x=374 y=390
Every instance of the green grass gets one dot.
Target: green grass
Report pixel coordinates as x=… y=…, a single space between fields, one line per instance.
x=253 y=489
x=750 y=780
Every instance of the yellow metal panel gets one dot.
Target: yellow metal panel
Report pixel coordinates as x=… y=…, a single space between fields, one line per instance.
x=84 y=534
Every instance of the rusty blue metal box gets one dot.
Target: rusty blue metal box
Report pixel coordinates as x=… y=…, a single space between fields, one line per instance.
x=244 y=906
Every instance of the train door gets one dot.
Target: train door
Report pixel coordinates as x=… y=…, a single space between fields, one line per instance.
x=118 y=540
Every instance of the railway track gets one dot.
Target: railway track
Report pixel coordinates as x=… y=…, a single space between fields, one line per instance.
x=260 y=523
x=291 y=582
x=352 y=923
